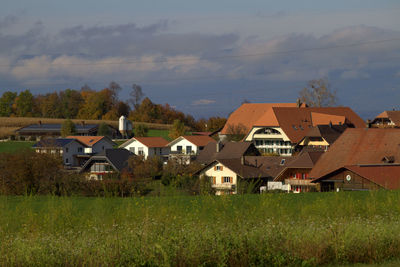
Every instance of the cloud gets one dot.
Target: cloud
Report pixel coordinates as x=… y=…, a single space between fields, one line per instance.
x=203 y=102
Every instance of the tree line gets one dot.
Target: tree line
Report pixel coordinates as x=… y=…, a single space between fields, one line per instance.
x=104 y=104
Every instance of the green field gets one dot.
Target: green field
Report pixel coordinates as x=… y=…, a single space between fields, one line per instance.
x=261 y=230
x=14 y=146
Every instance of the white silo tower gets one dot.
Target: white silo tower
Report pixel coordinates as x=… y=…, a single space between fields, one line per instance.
x=122 y=126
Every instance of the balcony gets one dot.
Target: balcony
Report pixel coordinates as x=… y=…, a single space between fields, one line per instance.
x=227 y=186
x=306 y=182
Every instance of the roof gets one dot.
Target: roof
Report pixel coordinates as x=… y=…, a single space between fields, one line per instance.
x=85 y=128
x=387 y=176
x=53 y=142
x=117 y=157
x=304 y=160
x=244 y=171
x=248 y=113
x=271 y=164
x=296 y=122
x=228 y=150
x=359 y=146
x=147 y=141
x=89 y=140
x=198 y=140
x=328 y=132
x=393 y=115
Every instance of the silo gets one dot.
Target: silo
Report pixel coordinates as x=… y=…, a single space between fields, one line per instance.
x=122 y=125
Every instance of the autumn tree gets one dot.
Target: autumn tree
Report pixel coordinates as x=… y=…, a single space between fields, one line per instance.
x=6 y=103
x=68 y=128
x=178 y=129
x=236 y=132
x=24 y=104
x=318 y=93
x=104 y=130
x=141 y=130
x=50 y=106
x=70 y=102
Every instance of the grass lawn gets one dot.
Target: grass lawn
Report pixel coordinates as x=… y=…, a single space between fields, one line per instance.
x=307 y=229
x=14 y=146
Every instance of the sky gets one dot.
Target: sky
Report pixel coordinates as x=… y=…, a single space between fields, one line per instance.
x=206 y=57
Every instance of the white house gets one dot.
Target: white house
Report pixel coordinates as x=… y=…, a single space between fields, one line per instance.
x=94 y=144
x=147 y=146
x=185 y=148
x=67 y=148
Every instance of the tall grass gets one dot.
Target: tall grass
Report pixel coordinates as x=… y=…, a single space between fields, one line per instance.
x=271 y=229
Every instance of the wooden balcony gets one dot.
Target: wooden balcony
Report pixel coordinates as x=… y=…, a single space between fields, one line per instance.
x=305 y=182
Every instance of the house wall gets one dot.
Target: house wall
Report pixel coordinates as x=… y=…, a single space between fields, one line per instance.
x=217 y=177
x=100 y=146
x=298 y=180
x=70 y=150
x=184 y=143
x=339 y=182
x=148 y=151
x=270 y=143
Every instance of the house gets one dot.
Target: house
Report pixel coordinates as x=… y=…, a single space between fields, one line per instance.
x=296 y=173
x=186 y=148
x=364 y=148
x=147 y=146
x=361 y=178
x=40 y=130
x=228 y=174
x=387 y=119
x=67 y=148
x=94 y=144
x=106 y=163
x=226 y=150
x=280 y=129
x=322 y=136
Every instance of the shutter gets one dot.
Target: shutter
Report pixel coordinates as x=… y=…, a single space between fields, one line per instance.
x=214 y=180
x=215 y=168
x=222 y=167
x=222 y=180
x=231 y=180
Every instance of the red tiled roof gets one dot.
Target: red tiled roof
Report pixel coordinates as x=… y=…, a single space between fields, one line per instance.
x=152 y=141
x=393 y=115
x=87 y=140
x=249 y=113
x=323 y=119
x=359 y=146
x=199 y=140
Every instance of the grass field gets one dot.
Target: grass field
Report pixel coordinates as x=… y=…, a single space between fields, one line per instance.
x=14 y=146
x=262 y=230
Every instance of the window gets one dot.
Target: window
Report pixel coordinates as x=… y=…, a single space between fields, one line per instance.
x=140 y=151
x=80 y=149
x=66 y=150
x=218 y=168
x=102 y=148
x=160 y=151
x=132 y=149
x=227 y=179
x=188 y=149
x=179 y=148
x=66 y=160
x=283 y=161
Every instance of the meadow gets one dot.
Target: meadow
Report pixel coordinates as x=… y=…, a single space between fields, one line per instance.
x=15 y=146
x=271 y=229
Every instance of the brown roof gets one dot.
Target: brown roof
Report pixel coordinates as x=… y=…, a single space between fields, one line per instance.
x=296 y=122
x=228 y=150
x=393 y=115
x=199 y=140
x=87 y=140
x=148 y=141
x=244 y=171
x=359 y=146
x=248 y=113
x=328 y=132
x=272 y=165
x=321 y=118
x=387 y=176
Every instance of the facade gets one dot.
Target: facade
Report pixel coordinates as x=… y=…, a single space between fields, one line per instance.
x=66 y=148
x=296 y=174
x=387 y=119
x=322 y=136
x=147 y=146
x=94 y=144
x=107 y=163
x=184 y=149
x=361 y=178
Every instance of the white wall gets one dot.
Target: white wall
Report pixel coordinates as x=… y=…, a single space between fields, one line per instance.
x=184 y=143
x=73 y=149
x=152 y=151
x=219 y=185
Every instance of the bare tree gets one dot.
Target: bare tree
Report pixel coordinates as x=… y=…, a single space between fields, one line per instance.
x=136 y=95
x=318 y=93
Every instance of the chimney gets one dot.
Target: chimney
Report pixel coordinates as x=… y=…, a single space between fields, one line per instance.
x=298 y=102
x=330 y=124
x=40 y=123
x=219 y=146
x=368 y=123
